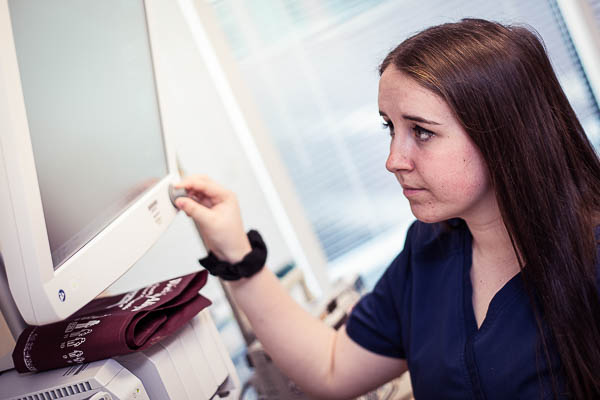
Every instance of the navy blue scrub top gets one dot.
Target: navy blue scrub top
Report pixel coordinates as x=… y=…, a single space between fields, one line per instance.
x=421 y=310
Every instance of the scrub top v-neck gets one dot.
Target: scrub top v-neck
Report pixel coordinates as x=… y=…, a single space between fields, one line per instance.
x=421 y=310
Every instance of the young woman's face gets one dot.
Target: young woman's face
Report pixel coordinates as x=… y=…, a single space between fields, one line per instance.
x=441 y=171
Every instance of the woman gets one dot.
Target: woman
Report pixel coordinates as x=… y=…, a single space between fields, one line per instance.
x=495 y=294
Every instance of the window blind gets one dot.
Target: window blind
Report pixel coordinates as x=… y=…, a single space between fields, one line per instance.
x=596 y=7
x=312 y=68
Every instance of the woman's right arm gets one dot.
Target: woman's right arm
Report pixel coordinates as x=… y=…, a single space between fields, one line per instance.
x=324 y=362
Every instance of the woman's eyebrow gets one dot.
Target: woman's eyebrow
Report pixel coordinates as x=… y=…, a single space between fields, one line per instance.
x=419 y=119
x=412 y=118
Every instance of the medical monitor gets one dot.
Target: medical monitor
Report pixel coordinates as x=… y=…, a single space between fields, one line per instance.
x=85 y=160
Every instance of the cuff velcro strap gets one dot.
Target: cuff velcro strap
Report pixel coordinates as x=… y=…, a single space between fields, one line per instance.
x=248 y=266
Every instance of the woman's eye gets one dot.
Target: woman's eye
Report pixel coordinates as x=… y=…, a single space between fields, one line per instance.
x=389 y=126
x=422 y=134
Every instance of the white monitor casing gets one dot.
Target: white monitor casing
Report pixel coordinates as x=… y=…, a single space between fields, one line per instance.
x=41 y=293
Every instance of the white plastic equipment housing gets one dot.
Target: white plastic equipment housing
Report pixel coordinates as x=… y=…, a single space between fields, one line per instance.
x=42 y=294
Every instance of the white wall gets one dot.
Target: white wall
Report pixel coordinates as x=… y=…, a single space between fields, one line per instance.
x=206 y=143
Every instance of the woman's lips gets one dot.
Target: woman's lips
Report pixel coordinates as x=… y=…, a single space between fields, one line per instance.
x=411 y=191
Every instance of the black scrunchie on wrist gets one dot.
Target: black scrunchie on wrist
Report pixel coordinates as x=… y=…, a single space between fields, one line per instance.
x=248 y=266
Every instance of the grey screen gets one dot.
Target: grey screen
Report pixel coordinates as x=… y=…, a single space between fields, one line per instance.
x=88 y=84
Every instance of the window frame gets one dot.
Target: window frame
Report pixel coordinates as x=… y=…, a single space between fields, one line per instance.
x=585 y=34
x=307 y=251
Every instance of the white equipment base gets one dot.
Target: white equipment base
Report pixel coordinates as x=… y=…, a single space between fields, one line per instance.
x=107 y=378
x=192 y=364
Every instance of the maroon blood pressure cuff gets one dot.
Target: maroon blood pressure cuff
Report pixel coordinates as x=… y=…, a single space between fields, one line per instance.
x=111 y=326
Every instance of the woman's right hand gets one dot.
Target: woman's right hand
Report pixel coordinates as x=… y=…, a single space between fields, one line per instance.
x=216 y=212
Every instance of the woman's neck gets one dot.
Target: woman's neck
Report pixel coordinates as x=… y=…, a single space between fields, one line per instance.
x=493 y=251
x=494 y=262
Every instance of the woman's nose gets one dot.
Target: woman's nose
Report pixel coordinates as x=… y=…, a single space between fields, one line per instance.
x=399 y=159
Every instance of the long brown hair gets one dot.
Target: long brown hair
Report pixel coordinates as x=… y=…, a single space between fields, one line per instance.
x=500 y=84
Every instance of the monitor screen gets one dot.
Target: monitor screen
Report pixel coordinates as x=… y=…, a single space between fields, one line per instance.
x=92 y=112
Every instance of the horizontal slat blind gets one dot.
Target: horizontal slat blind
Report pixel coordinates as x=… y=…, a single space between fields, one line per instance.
x=596 y=7
x=311 y=66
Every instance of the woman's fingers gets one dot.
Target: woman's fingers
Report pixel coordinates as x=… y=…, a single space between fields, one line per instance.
x=217 y=215
x=193 y=209
x=202 y=186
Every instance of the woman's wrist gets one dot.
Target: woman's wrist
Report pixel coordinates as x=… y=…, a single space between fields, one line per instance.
x=249 y=282
x=237 y=255
x=249 y=261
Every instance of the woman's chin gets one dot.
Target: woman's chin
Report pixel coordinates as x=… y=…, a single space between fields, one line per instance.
x=427 y=215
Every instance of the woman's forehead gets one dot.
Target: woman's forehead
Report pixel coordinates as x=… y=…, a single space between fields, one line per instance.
x=399 y=94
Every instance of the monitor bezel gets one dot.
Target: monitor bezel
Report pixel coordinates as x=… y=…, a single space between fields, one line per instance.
x=43 y=294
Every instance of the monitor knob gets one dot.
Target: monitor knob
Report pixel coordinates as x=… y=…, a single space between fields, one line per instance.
x=175 y=193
